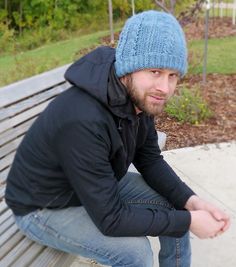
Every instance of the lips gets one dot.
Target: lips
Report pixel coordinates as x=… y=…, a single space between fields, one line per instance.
x=158 y=98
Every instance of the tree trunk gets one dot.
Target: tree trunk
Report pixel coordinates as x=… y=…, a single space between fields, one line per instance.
x=21 y=16
x=213 y=12
x=172 y=6
x=133 y=8
x=111 y=21
x=234 y=13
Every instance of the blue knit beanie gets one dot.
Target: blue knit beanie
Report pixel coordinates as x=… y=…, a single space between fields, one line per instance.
x=151 y=39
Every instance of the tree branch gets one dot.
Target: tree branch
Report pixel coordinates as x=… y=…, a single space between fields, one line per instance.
x=189 y=15
x=162 y=6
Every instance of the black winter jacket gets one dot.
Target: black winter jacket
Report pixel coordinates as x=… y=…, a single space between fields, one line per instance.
x=82 y=145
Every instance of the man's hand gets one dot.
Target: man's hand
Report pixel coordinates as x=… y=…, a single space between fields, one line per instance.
x=203 y=225
x=195 y=203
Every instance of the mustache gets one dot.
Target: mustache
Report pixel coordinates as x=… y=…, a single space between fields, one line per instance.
x=157 y=94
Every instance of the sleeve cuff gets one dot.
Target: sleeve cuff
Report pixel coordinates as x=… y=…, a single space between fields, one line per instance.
x=181 y=223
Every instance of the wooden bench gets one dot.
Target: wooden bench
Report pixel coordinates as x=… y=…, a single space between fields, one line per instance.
x=20 y=104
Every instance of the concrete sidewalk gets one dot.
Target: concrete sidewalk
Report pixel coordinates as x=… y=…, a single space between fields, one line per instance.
x=210 y=170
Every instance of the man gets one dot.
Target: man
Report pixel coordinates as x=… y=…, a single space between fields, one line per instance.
x=69 y=186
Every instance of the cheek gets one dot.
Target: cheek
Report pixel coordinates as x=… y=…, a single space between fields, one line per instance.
x=140 y=88
x=143 y=81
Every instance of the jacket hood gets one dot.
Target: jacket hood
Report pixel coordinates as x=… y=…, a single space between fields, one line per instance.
x=95 y=74
x=91 y=72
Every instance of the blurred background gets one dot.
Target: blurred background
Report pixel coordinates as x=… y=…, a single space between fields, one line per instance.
x=39 y=35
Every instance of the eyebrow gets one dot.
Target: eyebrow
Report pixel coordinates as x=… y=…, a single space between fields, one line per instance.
x=161 y=70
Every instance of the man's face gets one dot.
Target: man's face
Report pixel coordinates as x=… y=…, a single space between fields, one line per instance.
x=150 y=89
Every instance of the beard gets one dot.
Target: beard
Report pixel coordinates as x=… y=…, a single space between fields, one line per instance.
x=141 y=100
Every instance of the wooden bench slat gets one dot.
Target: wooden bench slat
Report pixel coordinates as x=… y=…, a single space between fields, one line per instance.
x=7 y=224
x=32 y=101
x=6 y=161
x=10 y=244
x=65 y=260
x=24 y=116
x=5 y=215
x=12 y=133
x=28 y=256
x=2 y=191
x=10 y=147
x=25 y=88
x=3 y=175
x=8 y=234
x=3 y=206
x=48 y=257
x=13 y=255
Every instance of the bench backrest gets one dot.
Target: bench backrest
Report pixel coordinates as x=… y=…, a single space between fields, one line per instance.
x=20 y=104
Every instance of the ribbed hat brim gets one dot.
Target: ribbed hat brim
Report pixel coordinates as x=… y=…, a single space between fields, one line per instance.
x=150 y=61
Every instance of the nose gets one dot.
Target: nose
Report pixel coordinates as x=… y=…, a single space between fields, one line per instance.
x=162 y=84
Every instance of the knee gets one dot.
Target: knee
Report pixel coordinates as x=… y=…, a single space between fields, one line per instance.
x=137 y=253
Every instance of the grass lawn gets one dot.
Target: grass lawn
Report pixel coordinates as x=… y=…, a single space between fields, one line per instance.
x=221 y=57
x=26 y=64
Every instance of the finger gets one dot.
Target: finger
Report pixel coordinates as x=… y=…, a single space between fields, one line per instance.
x=220 y=215
x=217 y=215
x=224 y=215
x=226 y=226
x=217 y=234
x=221 y=225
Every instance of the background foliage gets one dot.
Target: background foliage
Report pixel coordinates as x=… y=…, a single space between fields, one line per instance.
x=59 y=29
x=188 y=105
x=27 y=24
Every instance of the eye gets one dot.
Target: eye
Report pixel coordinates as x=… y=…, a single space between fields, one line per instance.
x=155 y=72
x=174 y=76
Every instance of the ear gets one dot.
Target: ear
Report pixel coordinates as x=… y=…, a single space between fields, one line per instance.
x=126 y=80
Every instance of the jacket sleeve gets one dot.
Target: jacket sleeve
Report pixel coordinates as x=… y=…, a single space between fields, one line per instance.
x=158 y=174
x=83 y=150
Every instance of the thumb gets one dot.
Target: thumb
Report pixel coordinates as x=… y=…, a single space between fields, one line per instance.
x=217 y=215
x=222 y=223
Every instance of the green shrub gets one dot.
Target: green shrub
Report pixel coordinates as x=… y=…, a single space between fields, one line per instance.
x=188 y=106
x=6 y=38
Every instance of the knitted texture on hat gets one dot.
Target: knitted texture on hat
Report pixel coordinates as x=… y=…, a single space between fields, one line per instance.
x=151 y=39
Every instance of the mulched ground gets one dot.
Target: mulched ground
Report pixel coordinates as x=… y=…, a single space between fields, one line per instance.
x=220 y=94
x=218 y=28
